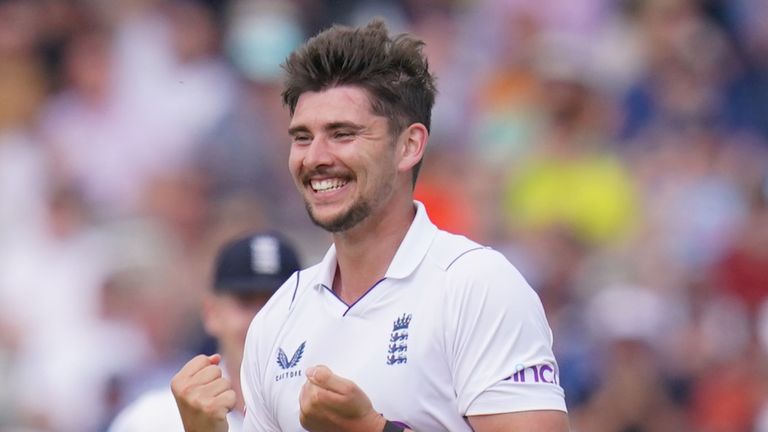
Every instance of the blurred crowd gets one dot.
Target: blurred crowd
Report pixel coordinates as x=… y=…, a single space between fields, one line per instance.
x=615 y=150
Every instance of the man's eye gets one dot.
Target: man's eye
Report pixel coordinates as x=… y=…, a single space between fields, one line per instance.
x=301 y=139
x=342 y=135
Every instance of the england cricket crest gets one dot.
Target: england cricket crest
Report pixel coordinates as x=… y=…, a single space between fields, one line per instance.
x=398 y=341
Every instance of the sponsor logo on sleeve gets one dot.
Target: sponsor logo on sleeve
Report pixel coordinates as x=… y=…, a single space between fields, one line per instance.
x=543 y=373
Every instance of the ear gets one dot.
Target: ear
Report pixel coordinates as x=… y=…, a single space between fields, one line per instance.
x=413 y=144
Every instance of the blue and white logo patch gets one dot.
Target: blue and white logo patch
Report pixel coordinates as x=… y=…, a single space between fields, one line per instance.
x=398 y=340
x=283 y=361
x=286 y=364
x=265 y=255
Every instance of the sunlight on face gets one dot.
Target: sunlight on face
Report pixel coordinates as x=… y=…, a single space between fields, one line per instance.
x=342 y=157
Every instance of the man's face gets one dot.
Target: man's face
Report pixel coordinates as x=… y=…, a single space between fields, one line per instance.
x=342 y=157
x=227 y=318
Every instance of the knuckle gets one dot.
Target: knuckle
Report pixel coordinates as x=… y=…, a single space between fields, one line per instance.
x=180 y=384
x=307 y=420
x=182 y=389
x=213 y=369
x=193 y=363
x=209 y=406
x=231 y=399
x=176 y=386
x=196 y=401
x=316 y=398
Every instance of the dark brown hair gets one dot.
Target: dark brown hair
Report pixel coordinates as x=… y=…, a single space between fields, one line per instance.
x=394 y=71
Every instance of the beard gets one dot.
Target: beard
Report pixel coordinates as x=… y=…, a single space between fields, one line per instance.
x=359 y=210
x=348 y=219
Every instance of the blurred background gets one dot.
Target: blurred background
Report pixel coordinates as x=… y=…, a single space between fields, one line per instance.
x=615 y=150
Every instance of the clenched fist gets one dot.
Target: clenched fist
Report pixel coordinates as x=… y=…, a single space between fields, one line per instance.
x=330 y=403
x=203 y=395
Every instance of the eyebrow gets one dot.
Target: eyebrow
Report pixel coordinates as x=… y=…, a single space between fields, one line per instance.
x=329 y=127
x=297 y=129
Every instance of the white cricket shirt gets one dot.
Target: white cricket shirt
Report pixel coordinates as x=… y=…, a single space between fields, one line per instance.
x=452 y=330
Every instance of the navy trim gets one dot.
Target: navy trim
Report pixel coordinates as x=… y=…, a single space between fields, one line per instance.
x=462 y=254
x=356 y=301
x=295 y=289
x=364 y=294
x=334 y=294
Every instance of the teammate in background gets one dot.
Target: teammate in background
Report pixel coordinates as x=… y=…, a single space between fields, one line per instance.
x=247 y=272
x=401 y=326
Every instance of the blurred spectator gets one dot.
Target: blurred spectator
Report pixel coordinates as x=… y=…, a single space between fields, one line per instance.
x=632 y=396
x=742 y=269
x=693 y=199
x=508 y=113
x=137 y=102
x=614 y=150
x=688 y=66
x=570 y=180
x=50 y=295
x=22 y=79
x=748 y=92
x=454 y=211
x=247 y=148
x=726 y=396
x=24 y=182
x=633 y=391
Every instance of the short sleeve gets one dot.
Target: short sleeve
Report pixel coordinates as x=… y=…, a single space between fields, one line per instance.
x=498 y=340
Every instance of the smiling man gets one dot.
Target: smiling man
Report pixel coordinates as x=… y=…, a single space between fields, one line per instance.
x=401 y=326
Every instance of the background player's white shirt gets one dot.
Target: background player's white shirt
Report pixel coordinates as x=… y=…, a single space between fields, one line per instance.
x=156 y=411
x=452 y=330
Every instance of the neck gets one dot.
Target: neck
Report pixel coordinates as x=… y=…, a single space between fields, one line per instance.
x=365 y=252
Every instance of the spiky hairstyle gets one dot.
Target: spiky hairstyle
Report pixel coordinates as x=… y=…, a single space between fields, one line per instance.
x=394 y=71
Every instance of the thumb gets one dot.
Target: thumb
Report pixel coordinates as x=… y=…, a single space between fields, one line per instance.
x=215 y=359
x=319 y=375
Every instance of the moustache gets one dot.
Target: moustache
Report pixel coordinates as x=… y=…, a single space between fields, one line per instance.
x=306 y=176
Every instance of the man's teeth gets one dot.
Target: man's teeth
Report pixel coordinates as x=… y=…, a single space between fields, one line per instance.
x=327 y=185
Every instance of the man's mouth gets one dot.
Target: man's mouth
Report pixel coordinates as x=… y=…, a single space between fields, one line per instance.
x=327 y=185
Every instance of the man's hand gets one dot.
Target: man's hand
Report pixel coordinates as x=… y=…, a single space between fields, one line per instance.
x=330 y=403
x=203 y=395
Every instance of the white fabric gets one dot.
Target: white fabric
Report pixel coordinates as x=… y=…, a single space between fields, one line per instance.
x=156 y=411
x=476 y=331
x=23 y=183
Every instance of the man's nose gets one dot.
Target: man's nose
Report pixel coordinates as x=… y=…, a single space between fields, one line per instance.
x=318 y=153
